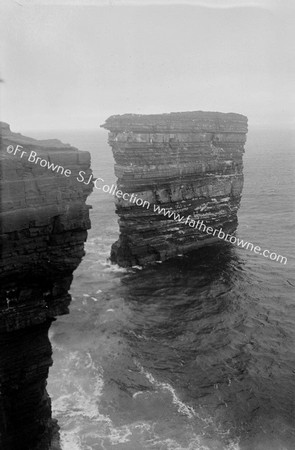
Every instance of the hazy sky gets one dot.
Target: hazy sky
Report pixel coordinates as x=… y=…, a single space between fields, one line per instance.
x=72 y=66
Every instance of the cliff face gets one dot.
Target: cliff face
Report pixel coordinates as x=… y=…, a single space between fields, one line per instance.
x=190 y=163
x=44 y=221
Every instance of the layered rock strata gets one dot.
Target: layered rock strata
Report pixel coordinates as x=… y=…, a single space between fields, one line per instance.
x=190 y=163
x=44 y=222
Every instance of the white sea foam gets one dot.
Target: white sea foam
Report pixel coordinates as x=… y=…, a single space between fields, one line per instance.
x=113 y=268
x=137 y=393
x=79 y=406
x=197 y=443
x=70 y=441
x=85 y=404
x=181 y=406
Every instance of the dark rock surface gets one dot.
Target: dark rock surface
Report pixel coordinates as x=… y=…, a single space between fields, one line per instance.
x=44 y=222
x=189 y=162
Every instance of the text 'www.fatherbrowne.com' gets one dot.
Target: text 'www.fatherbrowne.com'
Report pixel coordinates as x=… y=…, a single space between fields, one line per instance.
x=132 y=198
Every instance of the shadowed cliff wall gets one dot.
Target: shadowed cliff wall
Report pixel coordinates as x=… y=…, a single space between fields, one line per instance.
x=44 y=222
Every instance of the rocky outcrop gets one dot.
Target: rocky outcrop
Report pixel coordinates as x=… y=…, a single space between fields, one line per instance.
x=44 y=222
x=189 y=163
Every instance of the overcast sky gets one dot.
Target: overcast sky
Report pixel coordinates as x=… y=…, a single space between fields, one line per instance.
x=71 y=66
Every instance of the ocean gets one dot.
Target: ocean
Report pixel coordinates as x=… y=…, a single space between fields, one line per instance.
x=196 y=353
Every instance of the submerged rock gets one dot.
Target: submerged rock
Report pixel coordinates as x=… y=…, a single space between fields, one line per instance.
x=44 y=222
x=185 y=172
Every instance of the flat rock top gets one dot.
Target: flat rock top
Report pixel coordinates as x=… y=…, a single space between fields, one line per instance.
x=178 y=121
x=6 y=133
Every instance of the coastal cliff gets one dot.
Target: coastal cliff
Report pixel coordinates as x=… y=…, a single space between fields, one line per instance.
x=189 y=163
x=44 y=221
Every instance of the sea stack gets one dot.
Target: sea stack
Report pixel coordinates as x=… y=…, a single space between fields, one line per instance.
x=44 y=222
x=188 y=163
